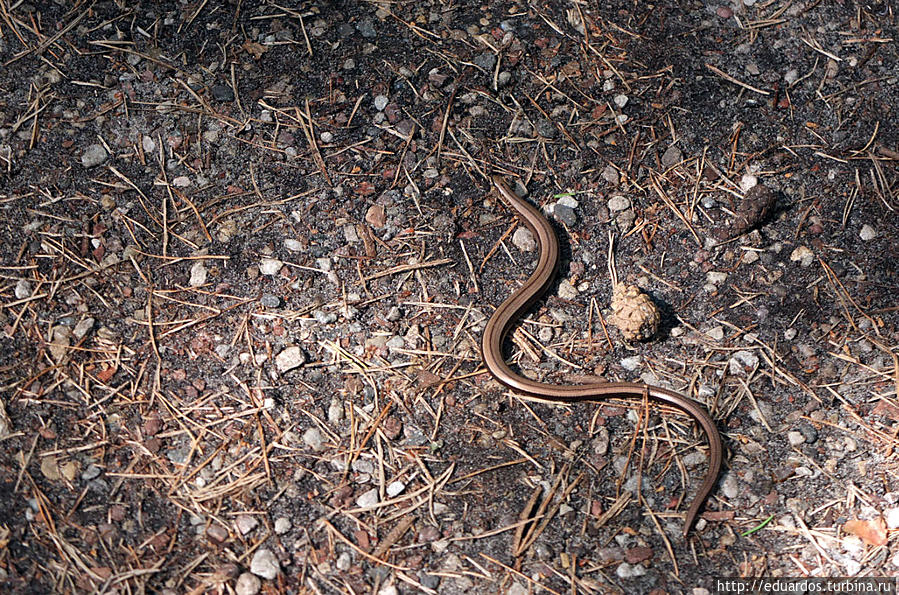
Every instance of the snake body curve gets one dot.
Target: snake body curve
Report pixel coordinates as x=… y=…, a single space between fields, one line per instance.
x=515 y=305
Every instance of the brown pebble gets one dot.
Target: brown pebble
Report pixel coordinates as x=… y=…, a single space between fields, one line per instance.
x=117 y=512
x=152 y=426
x=217 y=533
x=635 y=555
x=752 y=211
x=376 y=216
x=392 y=427
x=725 y=12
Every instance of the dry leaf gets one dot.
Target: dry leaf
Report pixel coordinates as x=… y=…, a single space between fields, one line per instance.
x=871 y=532
x=254 y=49
x=50 y=468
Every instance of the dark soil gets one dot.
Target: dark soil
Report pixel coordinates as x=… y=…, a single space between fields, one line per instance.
x=191 y=190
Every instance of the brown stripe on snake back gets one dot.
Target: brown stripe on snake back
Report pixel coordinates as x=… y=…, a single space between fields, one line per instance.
x=536 y=285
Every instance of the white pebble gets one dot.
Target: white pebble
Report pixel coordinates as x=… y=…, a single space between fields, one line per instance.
x=742 y=363
x=264 y=564
x=313 y=439
x=282 y=525
x=198 y=274
x=795 y=438
x=524 y=240
x=23 y=289
x=620 y=100
x=293 y=245
x=716 y=333
x=247 y=584
x=395 y=488
x=803 y=255
x=619 y=203
x=867 y=233
x=369 y=498
x=270 y=266
x=748 y=182
x=631 y=363
x=290 y=358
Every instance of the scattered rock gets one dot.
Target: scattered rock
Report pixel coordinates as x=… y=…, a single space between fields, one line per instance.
x=803 y=255
x=716 y=333
x=23 y=289
x=524 y=240
x=743 y=363
x=270 y=301
x=198 y=274
x=222 y=93
x=264 y=564
x=672 y=156
x=564 y=214
x=246 y=523
x=217 y=533
x=270 y=266
x=94 y=155
x=375 y=216
x=795 y=438
x=381 y=102
x=867 y=233
x=395 y=488
x=631 y=363
x=619 y=203
x=366 y=28
x=83 y=327
x=290 y=358
x=626 y=570
x=335 y=412
x=282 y=525
x=247 y=584
x=369 y=498
x=293 y=245
x=313 y=439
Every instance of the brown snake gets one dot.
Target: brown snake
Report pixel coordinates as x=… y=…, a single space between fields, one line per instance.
x=516 y=304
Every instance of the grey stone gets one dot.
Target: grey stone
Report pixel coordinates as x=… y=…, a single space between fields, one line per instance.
x=247 y=584
x=366 y=27
x=524 y=240
x=264 y=564
x=565 y=214
x=94 y=155
x=270 y=266
x=672 y=156
x=290 y=358
x=619 y=203
x=313 y=439
x=270 y=301
x=222 y=93
x=485 y=60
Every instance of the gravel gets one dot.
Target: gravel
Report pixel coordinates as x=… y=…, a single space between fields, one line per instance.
x=247 y=584
x=369 y=498
x=94 y=155
x=313 y=439
x=270 y=266
x=264 y=564
x=289 y=359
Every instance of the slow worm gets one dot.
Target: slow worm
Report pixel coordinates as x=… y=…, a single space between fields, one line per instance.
x=536 y=285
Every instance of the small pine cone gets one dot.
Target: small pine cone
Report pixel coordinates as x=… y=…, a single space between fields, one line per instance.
x=634 y=313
